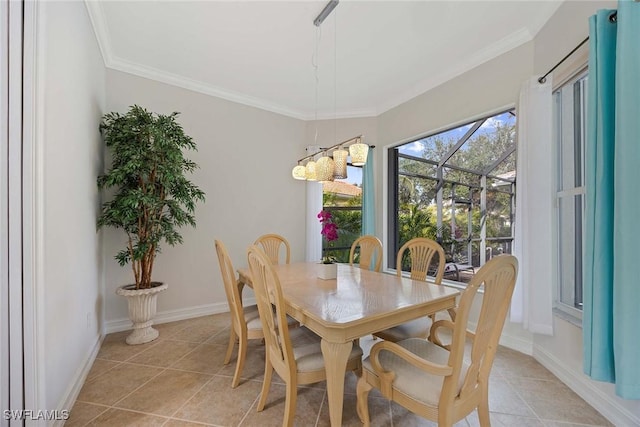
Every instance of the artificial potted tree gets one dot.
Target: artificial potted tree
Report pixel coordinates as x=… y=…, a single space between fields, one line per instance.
x=152 y=199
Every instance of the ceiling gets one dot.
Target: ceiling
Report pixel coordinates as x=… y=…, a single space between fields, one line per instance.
x=372 y=55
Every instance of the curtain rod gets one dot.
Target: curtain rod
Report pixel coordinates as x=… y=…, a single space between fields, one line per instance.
x=613 y=18
x=544 y=78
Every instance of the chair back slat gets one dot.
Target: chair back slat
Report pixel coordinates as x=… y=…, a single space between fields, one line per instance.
x=266 y=286
x=421 y=253
x=231 y=289
x=271 y=245
x=498 y=277
x=370 y=250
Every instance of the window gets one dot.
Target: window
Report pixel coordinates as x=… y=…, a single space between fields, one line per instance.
x=456 y=187
x=569 y=134
x=343 y=198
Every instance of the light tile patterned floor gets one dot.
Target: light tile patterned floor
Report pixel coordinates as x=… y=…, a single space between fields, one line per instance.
x=179 y=380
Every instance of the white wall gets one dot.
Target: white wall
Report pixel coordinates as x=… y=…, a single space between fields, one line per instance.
x=562 y=353
x=245 y=156
x=70 y=101
x=331 y=132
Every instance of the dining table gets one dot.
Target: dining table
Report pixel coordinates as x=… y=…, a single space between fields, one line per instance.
x=356 y=303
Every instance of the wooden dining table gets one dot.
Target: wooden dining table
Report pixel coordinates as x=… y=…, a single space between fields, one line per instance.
x=355 y=304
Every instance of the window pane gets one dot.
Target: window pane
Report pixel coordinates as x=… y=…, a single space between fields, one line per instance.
x=486 y=145
x=343 y=198
x=460 y=176
x=439 y=179
x=570 y=248
x=498 y=214
x=507 y=168
x=414 y=167
x=569 y=121
x=416 y=191
x=436 y=146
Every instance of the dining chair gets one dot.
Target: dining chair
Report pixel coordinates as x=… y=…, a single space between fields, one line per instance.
x=421 y=252
x=370 y=249
x=271 y=244
x=296 y=362
x=245 y=321
x=437 y=381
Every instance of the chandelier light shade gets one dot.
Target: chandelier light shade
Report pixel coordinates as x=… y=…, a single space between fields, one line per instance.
x=299 y=172
x=333 y=161
x=310 y=171
x=340 y=163
x=358 y=152
x=324 y=169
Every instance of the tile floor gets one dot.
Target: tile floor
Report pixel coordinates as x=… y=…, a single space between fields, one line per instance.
x=179 y=380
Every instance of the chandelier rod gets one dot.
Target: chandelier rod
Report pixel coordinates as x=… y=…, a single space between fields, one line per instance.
x=324 y=150
x=325 y=12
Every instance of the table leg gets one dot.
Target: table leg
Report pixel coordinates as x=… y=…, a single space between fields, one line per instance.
x=335 y=357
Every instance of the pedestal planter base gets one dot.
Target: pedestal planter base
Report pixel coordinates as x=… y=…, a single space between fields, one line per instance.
x=142 y=310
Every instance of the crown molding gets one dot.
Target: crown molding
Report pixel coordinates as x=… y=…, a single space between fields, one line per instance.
x=201 y=87
x=490 y=52
x=237 y=97
x=97 y=17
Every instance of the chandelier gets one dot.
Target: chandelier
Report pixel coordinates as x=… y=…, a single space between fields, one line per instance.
x=331 y=162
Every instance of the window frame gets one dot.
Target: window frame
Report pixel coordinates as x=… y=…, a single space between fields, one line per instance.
x=575 y=117
x=392 y=180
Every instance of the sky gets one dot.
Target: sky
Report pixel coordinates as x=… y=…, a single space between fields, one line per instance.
x=416 y=148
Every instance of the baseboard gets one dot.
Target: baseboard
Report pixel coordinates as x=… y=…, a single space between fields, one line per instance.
x=586 y=389
x=74 y=389
x=124 y=324
x=510 y=341
x=517 y=344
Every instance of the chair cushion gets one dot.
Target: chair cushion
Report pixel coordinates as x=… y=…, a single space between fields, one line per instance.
x=417 y=328
x=252 y=318
x=413 y=381
x=308 y=354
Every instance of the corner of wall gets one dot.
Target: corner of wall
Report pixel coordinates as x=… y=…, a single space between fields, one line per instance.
x=603 y=402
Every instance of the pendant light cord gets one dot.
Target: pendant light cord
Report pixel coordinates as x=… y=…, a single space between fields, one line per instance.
x=335 y=77
x=315 y=61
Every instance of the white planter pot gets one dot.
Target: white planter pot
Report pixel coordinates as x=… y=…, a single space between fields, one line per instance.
x=142 y=310
x=327 y=271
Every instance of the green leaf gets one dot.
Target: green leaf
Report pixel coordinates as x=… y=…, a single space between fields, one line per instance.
x=152 y=196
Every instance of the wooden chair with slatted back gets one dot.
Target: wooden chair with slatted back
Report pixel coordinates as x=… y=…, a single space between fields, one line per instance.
x=434 y=380
x=245 y=321
x=421 y=255
x=296 y=362
x=370 y=249
x=271 y=245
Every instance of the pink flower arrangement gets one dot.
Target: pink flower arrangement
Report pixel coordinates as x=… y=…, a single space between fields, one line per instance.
x=329 y=232
x=329 y=228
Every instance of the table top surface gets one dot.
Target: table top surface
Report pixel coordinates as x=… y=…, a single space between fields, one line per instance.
x=355 y=295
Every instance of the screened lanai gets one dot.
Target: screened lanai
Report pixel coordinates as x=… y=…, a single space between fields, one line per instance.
x=456 y=187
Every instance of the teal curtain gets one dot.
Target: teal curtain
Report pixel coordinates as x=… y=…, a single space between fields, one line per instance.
x=368 y=197
x=611 y=318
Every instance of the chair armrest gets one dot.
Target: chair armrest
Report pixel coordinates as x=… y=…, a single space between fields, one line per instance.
x=433 y=332
x=387 y=377
x=433 y=335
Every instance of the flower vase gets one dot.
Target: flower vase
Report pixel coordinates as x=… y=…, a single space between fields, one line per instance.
x=327 y=271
